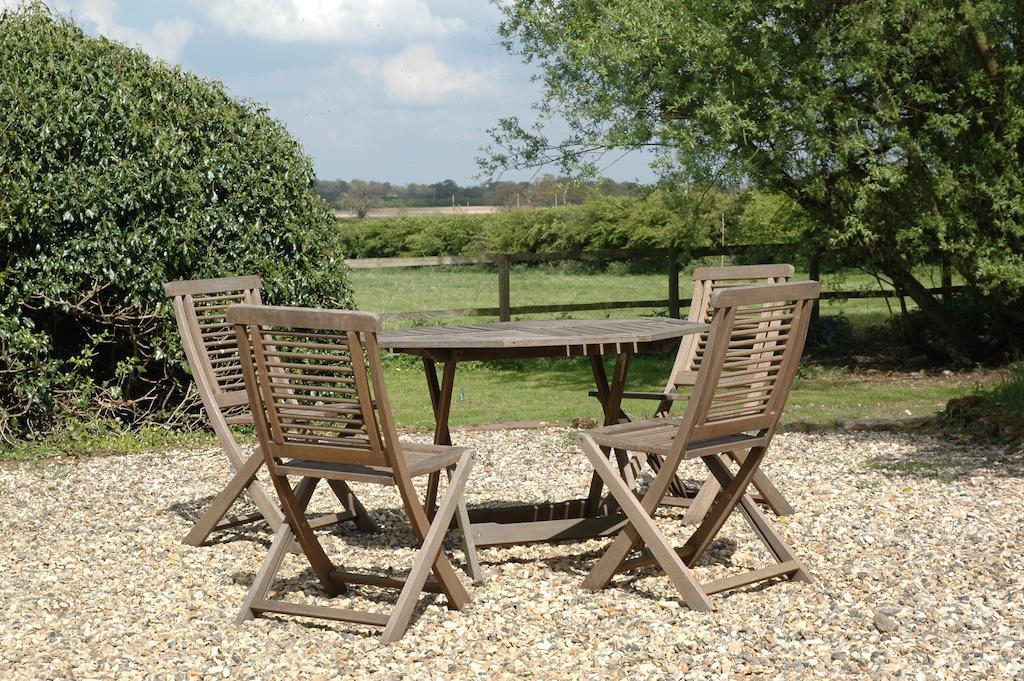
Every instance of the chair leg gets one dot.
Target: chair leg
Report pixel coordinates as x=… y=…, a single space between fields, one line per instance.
x=775 y=543
x=702 y=502
x=468 y=544
x=430 y=549
x=430 y=500
x=734 y=487
x=626 y=469
x=208 y=522
x=769 y=492
x=283 y=539
x=294 y=503
x=642 y=525
x=352 y=504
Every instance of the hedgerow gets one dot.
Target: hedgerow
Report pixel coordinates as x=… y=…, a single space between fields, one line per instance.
x=119 y=174
x=658 y=220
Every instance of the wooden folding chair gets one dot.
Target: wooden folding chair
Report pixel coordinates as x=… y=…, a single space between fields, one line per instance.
x=212 y=354
x=321 y=410
x=707 y=280
x=753 y=348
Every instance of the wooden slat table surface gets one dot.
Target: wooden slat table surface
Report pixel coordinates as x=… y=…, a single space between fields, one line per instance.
x=574 y=518
x=566 y=336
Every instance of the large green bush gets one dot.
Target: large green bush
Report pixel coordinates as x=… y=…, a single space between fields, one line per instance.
x=120 y=173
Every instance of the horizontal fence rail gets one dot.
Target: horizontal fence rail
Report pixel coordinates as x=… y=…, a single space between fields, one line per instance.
x=553 y=256
x=505 y=310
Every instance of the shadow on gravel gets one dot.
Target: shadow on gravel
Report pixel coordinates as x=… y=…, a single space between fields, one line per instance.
x=948 y=464
x=257 y=532
x=358 y=597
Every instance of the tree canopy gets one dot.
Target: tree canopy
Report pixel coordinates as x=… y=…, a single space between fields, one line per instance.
x=896 y=125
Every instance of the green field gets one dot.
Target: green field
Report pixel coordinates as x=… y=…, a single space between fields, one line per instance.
x=397 y=290
x=556 y=390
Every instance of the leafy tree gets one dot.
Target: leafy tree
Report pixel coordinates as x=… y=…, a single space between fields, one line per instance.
x=610 y=187
x=119 y=174
x=508 y=194
x=445 y=192
x=896 y=125
x=360 y=198
x=331 y=190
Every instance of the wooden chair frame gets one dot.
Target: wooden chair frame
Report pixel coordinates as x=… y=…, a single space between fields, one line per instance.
x=212 y=353
x=738 y=396
x=706 y=281
x=316 y=391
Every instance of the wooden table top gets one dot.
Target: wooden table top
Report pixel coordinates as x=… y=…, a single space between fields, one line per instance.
x=553 y=333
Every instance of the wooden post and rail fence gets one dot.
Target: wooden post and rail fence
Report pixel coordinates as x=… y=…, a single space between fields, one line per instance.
x=672 y=257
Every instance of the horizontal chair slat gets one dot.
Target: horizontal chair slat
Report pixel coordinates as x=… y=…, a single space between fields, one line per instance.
x=275 y=316
x=757 y=295
x=304 y=610
x=206 y=286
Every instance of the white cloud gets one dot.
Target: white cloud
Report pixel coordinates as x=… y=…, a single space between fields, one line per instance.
x=343 y=21
x=417 y=75
x=164 y=40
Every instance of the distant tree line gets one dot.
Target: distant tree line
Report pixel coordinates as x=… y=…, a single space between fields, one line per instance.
x=361 y=196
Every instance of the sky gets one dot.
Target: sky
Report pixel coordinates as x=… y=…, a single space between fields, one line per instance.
x=391 y=90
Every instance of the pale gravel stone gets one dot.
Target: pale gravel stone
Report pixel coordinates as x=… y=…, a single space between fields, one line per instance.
x=910 y=528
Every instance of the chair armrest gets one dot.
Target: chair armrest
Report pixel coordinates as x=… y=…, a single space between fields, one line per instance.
x=642 y=395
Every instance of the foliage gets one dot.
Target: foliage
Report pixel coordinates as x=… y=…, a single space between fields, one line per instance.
x=660 y=219
x=995 y=411
x=88 y=436
x=896 y=125
x=119 y=174
x=1008 y=394
x=830 y=334
x=358 y=199
x=987 y=338
x=538 y=193
x=772 y=218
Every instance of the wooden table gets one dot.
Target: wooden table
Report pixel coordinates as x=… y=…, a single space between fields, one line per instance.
x=552 y=521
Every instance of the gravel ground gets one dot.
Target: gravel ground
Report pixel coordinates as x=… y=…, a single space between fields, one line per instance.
x=915 y=544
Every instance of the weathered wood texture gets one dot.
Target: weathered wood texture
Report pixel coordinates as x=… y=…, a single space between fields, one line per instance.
x=753 y=349
x=575 y=518
x=212 y=356
x=212 y=353
x=321 y=411
x=601 y=334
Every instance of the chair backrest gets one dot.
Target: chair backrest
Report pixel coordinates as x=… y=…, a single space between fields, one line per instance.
x=315 y=384
x=208 y=340
x=754 y=346
x=707 y=280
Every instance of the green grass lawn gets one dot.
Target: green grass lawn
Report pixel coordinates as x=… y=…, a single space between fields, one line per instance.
x=555 y=390
x=451 y=288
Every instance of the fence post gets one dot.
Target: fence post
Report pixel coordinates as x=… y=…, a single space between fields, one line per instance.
x=814 y=270
x=947 y=283
x=673 y=283
x=504 y=304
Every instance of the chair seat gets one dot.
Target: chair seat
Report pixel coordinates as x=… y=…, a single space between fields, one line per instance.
x=421 y=459
x=655 y=436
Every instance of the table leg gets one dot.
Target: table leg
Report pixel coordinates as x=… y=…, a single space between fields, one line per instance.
x=611 y=401
x=440 y=397
x=441 y=401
